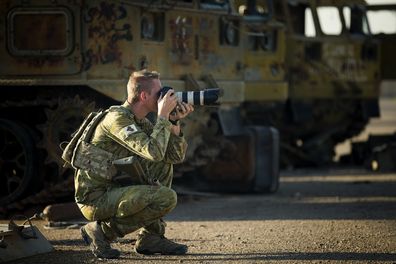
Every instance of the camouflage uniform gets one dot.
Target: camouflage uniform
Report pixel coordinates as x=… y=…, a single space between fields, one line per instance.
x=122 y=210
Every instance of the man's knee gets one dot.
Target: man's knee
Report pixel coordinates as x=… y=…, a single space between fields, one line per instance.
x=166 y=198
x=87 y=211
x=160 y=199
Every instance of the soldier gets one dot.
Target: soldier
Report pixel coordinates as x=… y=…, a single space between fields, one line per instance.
x=125 y=131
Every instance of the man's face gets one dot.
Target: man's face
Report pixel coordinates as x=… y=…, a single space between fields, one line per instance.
x=152 y=96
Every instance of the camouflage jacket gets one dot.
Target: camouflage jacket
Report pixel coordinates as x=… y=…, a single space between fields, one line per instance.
x=120 y=133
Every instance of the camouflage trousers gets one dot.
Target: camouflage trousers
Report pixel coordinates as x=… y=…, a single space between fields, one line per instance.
x=125 y=209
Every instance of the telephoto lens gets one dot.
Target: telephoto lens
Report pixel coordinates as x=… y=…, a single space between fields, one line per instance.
x=203 y=97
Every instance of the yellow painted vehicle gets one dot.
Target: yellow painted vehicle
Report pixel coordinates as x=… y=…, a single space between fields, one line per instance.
x=333 y=74
x=61 y=60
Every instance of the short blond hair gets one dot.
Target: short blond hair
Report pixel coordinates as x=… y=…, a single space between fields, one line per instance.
x=140 y=81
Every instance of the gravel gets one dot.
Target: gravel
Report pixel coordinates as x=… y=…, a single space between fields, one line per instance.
x=315 y=217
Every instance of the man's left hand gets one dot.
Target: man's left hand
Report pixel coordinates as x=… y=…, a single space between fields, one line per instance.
x=181 y=111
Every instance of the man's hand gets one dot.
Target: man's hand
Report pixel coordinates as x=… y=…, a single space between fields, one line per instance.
x=182 y=110
x=166 y=104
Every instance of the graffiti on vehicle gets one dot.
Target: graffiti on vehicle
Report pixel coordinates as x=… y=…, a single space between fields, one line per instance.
x=181 y=32
x=104 y=33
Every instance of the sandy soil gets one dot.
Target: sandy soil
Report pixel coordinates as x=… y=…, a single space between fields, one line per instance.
x=315 y=217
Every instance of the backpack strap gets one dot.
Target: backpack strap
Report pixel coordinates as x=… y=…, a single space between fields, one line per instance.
x=84 y=132
x=90 y=128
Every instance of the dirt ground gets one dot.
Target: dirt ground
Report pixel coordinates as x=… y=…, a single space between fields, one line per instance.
x=315 y=217
x=338 y=216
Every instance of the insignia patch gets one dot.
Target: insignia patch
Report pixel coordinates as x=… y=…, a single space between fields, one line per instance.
x=128 y=130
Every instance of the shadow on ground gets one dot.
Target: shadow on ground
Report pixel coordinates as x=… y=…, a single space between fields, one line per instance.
x=308 y=256
x=329 y=200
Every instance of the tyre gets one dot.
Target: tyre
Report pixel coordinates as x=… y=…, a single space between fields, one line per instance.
x=18 y=161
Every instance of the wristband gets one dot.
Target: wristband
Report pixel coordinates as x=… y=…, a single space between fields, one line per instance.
x=175 y=122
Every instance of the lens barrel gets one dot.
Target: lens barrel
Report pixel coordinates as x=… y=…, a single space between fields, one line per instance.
x=203 y=97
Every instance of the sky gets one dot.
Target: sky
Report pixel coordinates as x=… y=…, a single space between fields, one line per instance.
x=383 y=21
x=380 y=2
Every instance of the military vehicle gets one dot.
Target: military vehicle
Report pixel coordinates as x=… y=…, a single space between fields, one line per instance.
x=378 y=151
x=62 y=59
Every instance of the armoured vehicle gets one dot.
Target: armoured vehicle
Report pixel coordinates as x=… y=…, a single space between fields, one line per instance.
x=335 y=67
x=333 y=73
x=62 y=59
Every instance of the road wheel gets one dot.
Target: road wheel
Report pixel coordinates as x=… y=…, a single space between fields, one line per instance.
x=18 y=161
x=61 y=123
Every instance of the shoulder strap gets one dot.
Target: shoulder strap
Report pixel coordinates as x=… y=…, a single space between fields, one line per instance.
x=84 y=132
x=90 y=128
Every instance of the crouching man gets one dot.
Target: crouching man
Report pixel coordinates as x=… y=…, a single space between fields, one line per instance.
x=116 y=210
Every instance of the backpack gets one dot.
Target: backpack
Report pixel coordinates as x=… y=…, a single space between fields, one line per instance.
x=79 y=153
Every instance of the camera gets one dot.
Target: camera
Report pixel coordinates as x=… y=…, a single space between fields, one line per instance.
x=203 y=97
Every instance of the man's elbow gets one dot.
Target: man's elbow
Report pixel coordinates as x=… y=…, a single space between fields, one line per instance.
x=177 y=159
x=157 y=155
x=180 y=156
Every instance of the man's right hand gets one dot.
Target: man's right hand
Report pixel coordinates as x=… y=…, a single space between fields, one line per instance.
x=166 y=104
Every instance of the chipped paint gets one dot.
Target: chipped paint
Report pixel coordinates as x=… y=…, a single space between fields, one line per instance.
x=181 y=35
x=104 y=33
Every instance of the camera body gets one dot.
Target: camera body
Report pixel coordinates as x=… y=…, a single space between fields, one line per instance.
x=203 y=97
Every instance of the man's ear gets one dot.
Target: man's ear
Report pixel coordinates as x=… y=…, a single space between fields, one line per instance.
x=143 y=96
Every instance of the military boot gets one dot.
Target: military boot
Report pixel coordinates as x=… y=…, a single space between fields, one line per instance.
x=100 y=246
x=149 y=244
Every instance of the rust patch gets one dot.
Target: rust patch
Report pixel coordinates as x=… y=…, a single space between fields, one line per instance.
x=181 y=33
x=235 y=163
x=40 y=32
x=205 y=26
x=104 y=34
x=39 y=62
x=208 y=55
